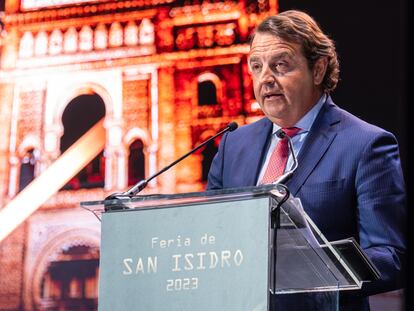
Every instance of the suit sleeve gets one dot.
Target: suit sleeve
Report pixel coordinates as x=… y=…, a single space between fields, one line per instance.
x=215 y=175
x=382 y=211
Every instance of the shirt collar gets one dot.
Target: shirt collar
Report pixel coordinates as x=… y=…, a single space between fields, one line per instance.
x=306 y=122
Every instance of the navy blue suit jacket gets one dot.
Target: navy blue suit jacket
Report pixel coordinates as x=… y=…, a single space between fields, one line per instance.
x=349 y=180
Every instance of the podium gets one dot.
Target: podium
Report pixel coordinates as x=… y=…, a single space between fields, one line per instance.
x=237 y=249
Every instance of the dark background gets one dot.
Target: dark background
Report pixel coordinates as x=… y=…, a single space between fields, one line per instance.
x=373 y=40
x=370 y=37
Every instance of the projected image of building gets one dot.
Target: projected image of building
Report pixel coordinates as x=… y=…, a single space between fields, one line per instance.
x=95 y=96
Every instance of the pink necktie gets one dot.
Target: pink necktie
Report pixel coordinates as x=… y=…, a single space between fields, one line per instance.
x=279 y=157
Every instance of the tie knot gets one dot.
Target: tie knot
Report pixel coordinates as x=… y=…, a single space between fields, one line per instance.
x=291 y=131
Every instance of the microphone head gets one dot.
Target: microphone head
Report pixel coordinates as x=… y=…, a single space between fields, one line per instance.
x=280 y=133
x=232 y=126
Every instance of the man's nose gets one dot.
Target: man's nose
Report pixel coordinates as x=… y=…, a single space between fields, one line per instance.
x=267 y=76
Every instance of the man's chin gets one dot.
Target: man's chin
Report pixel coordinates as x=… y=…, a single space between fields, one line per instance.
x=279 y=117
x=275 y=112
x=275 y=119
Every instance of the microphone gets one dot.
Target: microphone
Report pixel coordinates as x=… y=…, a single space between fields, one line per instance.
x=143 y=183
x=286 y=176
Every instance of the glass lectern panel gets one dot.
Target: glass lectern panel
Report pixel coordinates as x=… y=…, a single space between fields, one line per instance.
x=237 y=249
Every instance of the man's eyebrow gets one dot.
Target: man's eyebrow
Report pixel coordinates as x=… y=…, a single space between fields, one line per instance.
x=253 y=59
x=282 y=55
x=276 y=56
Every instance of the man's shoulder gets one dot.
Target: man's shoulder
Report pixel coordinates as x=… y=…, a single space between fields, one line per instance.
x=351 y=124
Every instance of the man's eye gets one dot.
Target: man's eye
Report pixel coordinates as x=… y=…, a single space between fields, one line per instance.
x=281 y=67
x=255 y=67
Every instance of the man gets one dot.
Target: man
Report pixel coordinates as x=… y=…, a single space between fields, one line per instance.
x=349 y=177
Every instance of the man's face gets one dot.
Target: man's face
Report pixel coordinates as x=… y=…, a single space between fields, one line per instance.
x=284 y=86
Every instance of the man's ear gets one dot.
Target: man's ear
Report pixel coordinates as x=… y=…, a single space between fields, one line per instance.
x=319 y=70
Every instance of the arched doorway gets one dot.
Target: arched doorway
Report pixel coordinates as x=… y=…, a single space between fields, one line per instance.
x=71 y=280
x=27 y=169
x=78 y=117
x=207 y=93
x=136 y=162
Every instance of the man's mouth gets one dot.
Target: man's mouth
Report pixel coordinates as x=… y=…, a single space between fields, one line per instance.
x=272 y=96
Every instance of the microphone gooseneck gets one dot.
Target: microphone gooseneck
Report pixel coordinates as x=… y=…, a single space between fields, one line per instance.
x=143 y=183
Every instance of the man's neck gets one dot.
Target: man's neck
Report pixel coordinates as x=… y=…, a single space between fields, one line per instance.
x=295 y=119
x=291 y=123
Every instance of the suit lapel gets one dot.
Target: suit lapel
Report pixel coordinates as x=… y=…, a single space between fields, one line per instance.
x=319 y=139
x=255 y=151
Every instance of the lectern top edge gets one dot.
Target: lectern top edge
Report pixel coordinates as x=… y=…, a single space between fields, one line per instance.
x=182 y=198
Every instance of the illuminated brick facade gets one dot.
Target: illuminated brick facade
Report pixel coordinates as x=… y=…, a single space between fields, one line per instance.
x=148 y=61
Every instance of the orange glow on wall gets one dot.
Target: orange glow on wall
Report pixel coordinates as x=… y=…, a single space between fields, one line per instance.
x=149 y=62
